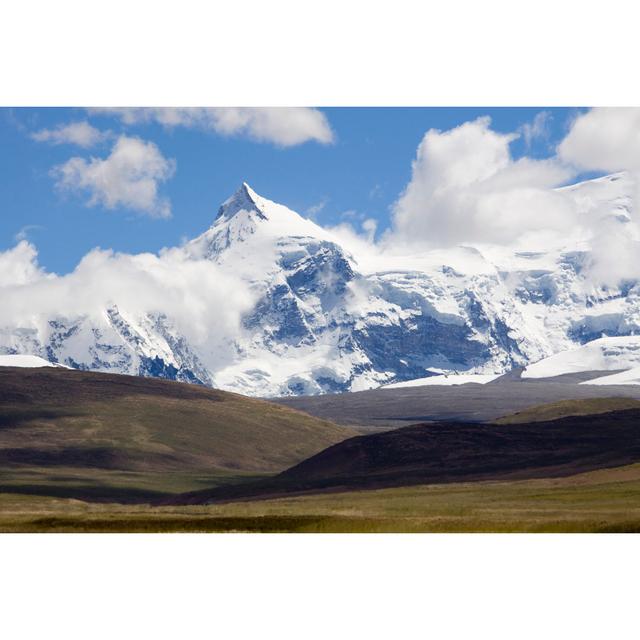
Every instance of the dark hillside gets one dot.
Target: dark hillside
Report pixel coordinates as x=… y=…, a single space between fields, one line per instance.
x=447 y=452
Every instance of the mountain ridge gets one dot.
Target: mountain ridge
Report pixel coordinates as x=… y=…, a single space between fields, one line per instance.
x=322 y=320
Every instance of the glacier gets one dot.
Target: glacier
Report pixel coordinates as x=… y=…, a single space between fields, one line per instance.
x=325 y=318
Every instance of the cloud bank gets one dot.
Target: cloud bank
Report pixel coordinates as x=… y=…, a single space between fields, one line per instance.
x=282 y=126
x=129 y=177
x=204 y=304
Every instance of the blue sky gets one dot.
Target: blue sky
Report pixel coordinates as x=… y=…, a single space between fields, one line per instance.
x=363 y=170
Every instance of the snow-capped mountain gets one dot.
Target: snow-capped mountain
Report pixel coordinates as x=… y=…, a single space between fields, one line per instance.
x=325 y=320
x=322 y=323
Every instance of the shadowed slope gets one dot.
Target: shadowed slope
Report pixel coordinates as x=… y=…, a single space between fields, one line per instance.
x=455 y=452
x=60 y=423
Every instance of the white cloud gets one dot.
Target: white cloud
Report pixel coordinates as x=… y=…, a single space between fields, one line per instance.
x=283 y=126
x=369 y=227
x=604 y=139
x=615 y=255
x=78 y=133
x=537 y=128
x=204 y=303
x=129 y=177
x=357 y=237
x=607 y=139
x=465 y=187
x=356 y=243
x=19 y=265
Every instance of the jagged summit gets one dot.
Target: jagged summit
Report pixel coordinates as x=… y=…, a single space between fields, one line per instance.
x=248 y=217
x=244 y=199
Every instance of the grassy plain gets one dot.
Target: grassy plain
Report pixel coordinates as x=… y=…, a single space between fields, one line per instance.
x=599 y=501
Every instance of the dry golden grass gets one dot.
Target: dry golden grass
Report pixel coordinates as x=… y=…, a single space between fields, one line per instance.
x=600 y=501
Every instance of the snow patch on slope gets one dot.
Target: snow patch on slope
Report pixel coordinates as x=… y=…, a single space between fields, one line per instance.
x=631 y=376
x=27 y=361
x=446 y=380
x=604 y=354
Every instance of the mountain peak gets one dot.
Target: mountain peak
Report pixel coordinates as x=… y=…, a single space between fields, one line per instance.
x=244 y=199
x=247 y=216
x=247 y=192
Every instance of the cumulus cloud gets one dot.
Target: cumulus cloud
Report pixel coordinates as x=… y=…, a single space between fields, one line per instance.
x=604 y=139
x=202 y=302
x=19 y=265
x=466 y=187
x=283 y=126
x=129 y=177
x=81 y=134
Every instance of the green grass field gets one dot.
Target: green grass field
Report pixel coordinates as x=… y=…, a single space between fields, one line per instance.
x=111 y=485
x=600 y=501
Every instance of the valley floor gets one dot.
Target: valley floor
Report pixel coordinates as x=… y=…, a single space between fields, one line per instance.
x=607 y=500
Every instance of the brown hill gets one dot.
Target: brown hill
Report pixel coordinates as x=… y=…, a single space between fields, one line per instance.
x=57 y=423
